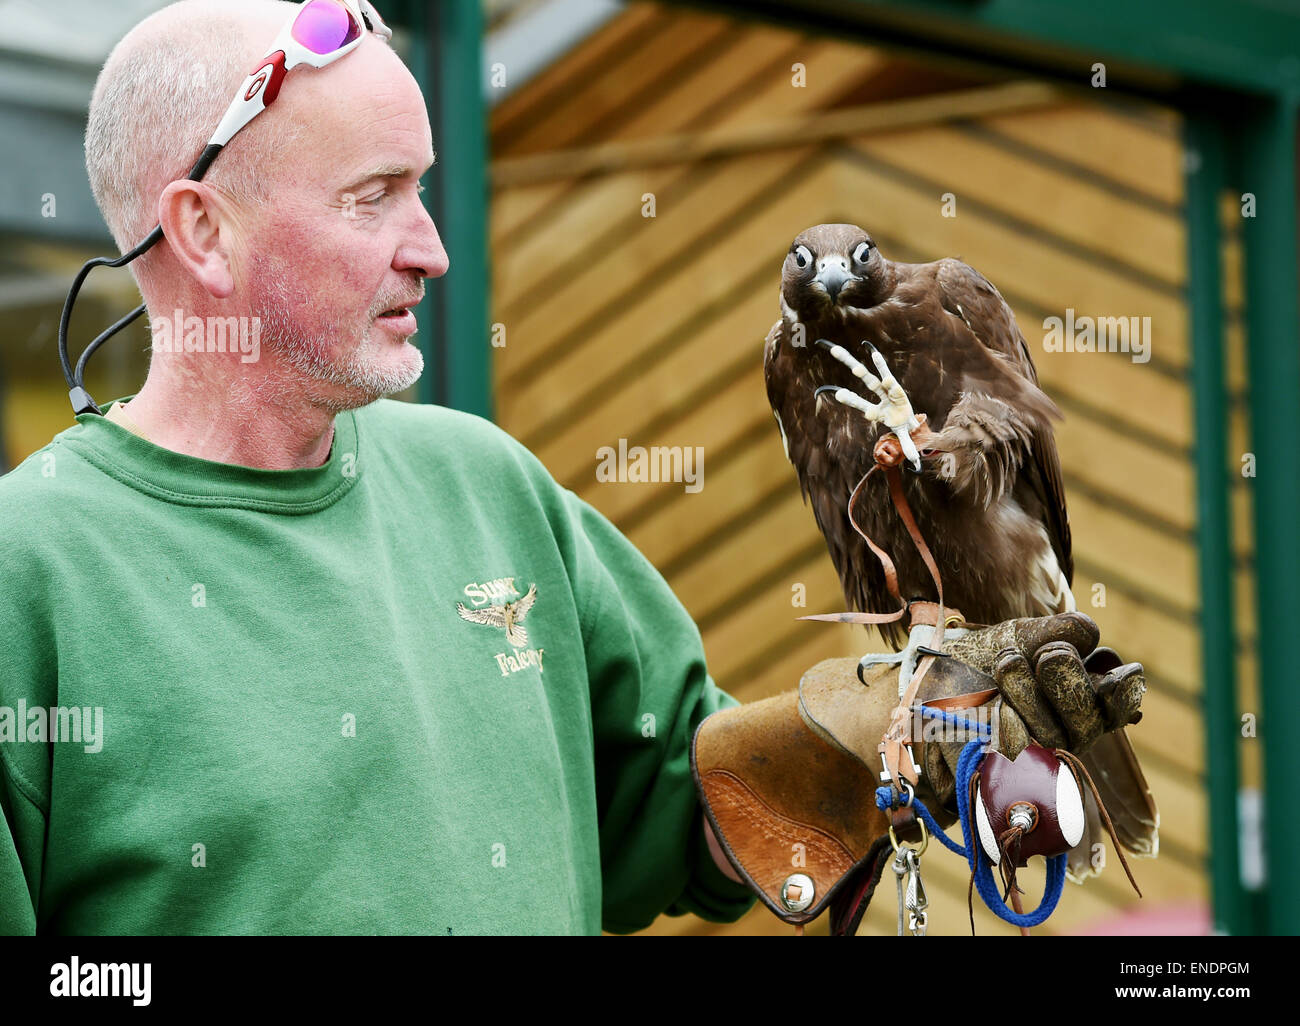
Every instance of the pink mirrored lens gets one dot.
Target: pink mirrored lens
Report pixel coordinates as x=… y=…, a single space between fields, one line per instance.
x=324 y=26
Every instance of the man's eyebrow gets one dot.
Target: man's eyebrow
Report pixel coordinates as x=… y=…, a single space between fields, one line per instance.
x=384 y=171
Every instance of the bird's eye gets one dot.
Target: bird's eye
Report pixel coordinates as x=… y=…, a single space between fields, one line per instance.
x=863 y=253
x=802 y=256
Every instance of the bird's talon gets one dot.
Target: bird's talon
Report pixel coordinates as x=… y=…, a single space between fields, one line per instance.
x=885 y=375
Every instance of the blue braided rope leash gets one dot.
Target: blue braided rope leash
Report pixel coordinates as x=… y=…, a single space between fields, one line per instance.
x=967 y=764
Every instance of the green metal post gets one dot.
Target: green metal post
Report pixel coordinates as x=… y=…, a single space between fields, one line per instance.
x=1267 y=170
x=413 y=15
x=1206 y=176
x=447 y=63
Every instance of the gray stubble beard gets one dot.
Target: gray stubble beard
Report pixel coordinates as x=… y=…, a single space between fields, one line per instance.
x=304 y=354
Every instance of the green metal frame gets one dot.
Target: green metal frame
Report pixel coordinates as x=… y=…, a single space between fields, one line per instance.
x=1233 y=69
x=1149 y=46
x=1206 y=183
x=1265 y=153
x=446 y=60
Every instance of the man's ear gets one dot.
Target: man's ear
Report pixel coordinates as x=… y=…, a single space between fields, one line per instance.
x=196 y=221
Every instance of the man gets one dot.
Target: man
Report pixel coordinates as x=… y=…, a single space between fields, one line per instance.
x=339 y=665
x=283 y=656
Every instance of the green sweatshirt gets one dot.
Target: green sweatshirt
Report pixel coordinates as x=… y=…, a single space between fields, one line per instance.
x=420 y=689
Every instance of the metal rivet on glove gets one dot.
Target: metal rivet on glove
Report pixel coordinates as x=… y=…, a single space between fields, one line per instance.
x=797 y=892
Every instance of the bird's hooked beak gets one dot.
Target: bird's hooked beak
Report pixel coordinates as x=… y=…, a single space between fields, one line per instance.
x=833 y=276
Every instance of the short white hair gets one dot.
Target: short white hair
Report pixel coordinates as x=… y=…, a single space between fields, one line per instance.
x=159 y=97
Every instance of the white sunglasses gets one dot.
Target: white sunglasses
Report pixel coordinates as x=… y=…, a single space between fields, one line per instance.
x=319 y=33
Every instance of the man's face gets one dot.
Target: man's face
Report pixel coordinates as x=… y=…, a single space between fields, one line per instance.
x=336 y=257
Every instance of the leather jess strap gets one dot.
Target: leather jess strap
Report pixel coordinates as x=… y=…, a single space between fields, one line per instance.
x=894 y=477
x=898 y=735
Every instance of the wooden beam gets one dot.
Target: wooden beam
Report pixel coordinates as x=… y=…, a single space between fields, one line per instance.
x=689 y=147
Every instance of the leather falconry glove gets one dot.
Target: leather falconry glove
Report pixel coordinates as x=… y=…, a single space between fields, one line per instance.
x=788 y=782
x=1050 y=682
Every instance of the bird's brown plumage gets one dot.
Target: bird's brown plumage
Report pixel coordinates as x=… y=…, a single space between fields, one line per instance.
x=989 y=500
x=992 y=507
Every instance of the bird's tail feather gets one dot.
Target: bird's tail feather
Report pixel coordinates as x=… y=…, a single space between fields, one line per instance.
x=1123 y=788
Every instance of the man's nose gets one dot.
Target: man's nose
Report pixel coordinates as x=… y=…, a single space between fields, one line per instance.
x=422 y=251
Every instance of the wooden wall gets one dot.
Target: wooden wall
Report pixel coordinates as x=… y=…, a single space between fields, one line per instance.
x=624 y=326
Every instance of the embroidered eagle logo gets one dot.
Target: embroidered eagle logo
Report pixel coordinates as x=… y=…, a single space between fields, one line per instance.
x=510 y=616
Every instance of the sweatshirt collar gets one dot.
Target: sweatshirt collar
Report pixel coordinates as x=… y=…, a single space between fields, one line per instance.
x=190 y=481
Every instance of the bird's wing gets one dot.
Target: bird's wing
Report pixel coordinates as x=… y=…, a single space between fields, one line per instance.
x=1111 y=761
x=967 y=294
x=802 y=430
x=526 y=603
x=492 y=616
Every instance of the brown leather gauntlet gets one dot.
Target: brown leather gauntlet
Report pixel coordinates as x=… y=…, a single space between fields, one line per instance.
x=788 y=784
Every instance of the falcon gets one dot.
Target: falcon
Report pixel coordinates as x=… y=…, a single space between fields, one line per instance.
x=987 y=491
x=509 y=616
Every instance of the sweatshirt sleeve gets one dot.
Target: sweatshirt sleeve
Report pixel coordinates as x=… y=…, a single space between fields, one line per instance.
x=27 y=675
x=649 y=691
x=21 y=839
